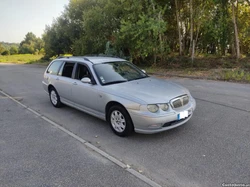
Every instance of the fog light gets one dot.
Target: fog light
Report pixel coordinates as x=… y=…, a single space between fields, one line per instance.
x=154 y=126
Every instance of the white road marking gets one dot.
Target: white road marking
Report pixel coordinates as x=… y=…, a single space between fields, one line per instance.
x=87 y=144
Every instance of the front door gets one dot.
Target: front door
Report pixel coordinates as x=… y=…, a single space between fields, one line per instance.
x=84 y=95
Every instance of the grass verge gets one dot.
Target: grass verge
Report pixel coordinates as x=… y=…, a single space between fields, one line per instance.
x=22 y=59
x=232 y=75
x=214 y=68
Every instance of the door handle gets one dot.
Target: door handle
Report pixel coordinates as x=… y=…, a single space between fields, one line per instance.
x=57 y=78
x=74 y=83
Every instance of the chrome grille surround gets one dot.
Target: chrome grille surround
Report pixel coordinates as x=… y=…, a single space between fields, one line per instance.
x=179 y=101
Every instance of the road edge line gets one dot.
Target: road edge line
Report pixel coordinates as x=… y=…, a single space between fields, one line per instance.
x=87 y=144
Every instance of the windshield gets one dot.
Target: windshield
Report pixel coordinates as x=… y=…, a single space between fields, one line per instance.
x=117 y=72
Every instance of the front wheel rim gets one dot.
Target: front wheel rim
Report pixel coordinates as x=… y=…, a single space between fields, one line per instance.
x=53 y=97
x=118 y=121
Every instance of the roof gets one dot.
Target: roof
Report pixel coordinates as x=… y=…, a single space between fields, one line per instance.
x=94 y=59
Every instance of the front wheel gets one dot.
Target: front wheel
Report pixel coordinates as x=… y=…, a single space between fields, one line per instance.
x=120 y=121
x=55 y=98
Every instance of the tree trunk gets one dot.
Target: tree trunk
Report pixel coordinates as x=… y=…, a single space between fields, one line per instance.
x=161 y=37
x=193 y=51
x=191 y=28
x=179 y=29
x=223 y=42
x=233 y=52
x=237 y=42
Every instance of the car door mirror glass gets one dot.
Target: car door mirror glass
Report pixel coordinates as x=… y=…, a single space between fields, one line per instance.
x=86 y=80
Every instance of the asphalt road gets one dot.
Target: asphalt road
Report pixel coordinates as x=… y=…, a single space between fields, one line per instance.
x=211 y=149
x=33 y=153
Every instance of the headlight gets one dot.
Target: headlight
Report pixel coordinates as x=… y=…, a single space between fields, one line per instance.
x=164 y=107
x=153 y=108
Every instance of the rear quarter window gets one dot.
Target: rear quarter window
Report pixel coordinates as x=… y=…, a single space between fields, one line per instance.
x=54 y=67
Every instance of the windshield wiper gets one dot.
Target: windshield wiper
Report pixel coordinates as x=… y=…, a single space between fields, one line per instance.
x=115 y=82
x=138 y=78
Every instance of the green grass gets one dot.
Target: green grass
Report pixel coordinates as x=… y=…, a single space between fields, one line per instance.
x=226 y=69
x=21 y=59
x=235 y=75
x=224 y=74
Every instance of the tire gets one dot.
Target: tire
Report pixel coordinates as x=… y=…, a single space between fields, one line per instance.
x=54 y=98
x=120 y=121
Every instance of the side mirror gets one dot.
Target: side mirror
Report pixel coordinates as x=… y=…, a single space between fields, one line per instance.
x=86 y=80
x=143 y=71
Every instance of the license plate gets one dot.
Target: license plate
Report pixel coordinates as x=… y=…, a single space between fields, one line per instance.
x=182 y=115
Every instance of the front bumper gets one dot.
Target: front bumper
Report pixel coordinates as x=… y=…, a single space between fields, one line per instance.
x=150 y=123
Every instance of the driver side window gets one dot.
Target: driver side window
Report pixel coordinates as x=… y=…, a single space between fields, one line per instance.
x=82 y=72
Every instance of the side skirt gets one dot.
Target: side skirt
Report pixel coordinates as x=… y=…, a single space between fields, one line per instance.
x=84 y=109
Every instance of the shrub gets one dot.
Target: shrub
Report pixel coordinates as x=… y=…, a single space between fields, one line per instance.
x=6 y=52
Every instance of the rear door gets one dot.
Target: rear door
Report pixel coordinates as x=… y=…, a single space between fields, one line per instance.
x=64 y=80
x=52 y=72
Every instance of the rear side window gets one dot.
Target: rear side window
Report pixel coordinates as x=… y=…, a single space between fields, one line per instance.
x=67 y=69
x=54 y=67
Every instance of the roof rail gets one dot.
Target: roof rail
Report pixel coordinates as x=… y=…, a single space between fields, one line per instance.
x=101 y=55
x=62 y=57
x=86 y=59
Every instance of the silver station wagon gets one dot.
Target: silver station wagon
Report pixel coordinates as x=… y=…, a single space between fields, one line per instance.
x=117 y=91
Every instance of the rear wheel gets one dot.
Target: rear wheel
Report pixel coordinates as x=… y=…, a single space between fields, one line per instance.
x=55 y=98
x=120 y=121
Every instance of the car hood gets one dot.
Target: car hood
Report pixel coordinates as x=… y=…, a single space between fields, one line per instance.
x=148 y=90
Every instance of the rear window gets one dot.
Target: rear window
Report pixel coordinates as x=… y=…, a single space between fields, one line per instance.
x=54 y=67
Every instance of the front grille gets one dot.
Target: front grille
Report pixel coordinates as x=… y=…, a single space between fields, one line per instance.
x=180 y=101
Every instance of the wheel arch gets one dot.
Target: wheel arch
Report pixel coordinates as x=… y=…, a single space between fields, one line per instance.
x=113 y=103
x=50 y=87
x=109 y=105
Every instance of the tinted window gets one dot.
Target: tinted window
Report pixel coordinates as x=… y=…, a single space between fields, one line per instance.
x=54 y=67
x=82 y=72
x=68 y=69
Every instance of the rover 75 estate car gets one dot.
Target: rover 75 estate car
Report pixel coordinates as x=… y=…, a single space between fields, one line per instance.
x=118 y=92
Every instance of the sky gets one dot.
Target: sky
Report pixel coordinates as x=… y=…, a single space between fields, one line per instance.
x=18 y=17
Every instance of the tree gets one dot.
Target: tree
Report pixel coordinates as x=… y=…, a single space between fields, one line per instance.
x=244 y=27
x=178 y=27
x=31 y=44
x=6 y=52
x=56 y=38
x=13 y=50
x=51 y=41
x=237 y=41
x=1 y=49
x=101 y=23
x=142 y=28
x=191 y=29
x=149 y=29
